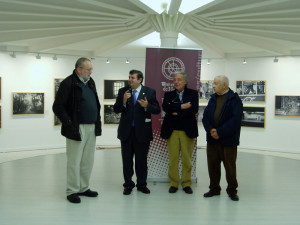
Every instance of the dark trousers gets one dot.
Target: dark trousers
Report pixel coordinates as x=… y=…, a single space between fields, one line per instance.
x=130 y=148
x=216 y=153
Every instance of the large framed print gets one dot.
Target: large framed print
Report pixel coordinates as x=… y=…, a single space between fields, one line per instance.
x=287 y=105
x=253 y=117
x=206 y=89
x=28 y=103
x=110 y=117
x=57 y=82
x=111 y=88
x=251 y=90
x=200 y=113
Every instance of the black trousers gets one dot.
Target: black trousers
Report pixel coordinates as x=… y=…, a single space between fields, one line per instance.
x=217 y=153
x=131 y=148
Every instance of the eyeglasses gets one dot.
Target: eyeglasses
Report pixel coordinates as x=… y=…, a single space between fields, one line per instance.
x=90 y=70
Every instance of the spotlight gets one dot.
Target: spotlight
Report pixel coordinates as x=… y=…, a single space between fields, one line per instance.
x=38 y=56
x=208 y=62
x=127 y=61
x=54 y=57
x=13 y=55
x=107 y=61
x=275 y=60
x=244 y=62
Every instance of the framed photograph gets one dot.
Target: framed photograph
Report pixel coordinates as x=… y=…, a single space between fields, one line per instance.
x=251 y=90
x=287 y=105
x=111 y=88
x=57 y=82
x=28 y=103
x=110 y=117
x=206 y=89
x=253 y=117
x=200 y=113
x=0 y=87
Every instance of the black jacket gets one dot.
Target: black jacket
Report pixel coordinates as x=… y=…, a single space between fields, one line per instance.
x=229 y=126
x=142 y=118
x=187 y=116
x=67 y=106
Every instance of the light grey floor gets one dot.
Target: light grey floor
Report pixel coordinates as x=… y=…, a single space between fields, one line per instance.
x=32 y=192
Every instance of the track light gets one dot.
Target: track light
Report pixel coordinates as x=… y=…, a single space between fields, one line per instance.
x=275 y=60
x=244 y=62
x=13 y=55
x=208 y=62
x=38 y=56
x=54 y=57
x=127 y=61
x=108 y=61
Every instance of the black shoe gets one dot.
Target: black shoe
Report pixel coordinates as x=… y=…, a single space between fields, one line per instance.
x=234 y=197
x=173 y=189
x=127 y=191
x=89 y=193
x=210 y=194
x=74 y=198
x=188 y=190
x=143 y=189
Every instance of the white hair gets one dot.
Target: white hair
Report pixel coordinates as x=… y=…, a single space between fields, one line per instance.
x=223 y=79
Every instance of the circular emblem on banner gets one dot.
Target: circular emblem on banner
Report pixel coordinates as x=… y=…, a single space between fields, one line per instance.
x=171 y=65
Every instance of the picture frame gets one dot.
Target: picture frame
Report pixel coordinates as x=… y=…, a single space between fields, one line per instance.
x=251 y=90
x=110 y=117
x=253 y=116
x=206 y=89
x=0 y=88
x=28 y=103
x=287 y=105
x=57 y=81
x=111 y=88
x=200 y=113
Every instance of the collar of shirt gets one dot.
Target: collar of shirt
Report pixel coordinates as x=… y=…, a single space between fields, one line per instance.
x=180 y=94
x=82 y=80
x=138 y=91
x=225 y=92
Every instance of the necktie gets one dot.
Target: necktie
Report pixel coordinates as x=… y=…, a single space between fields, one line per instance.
x=134 y=101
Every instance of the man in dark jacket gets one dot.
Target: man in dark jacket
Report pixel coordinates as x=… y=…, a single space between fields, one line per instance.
x=78 y=108
x=136 y=103
x=222 y=121
x=180 y=129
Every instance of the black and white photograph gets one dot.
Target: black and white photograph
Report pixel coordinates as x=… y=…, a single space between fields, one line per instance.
x=200 y=113
x=253 y=117
x=206 y=89
x=57 y=82
x=251 y=90
x=110 y=117
x=287 y=105
x=28 y=103
x=111 y=88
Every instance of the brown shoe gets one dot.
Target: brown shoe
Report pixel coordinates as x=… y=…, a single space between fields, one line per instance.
x=143 y=189
x=127 y=191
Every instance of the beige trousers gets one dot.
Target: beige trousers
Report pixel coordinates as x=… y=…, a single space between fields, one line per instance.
x=178 y=143
x=80 y=159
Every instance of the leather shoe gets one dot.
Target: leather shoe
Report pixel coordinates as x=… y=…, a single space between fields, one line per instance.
x=210 y=194
x=188 y=190
x=89 y=193
x=74 y=198
x=143 y=189
x=234 y=197
x=173 y=189
x=127 y=191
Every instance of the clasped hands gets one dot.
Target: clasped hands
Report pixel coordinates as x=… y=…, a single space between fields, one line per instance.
x=142 y=102
x=213 y=132
x=183 y=106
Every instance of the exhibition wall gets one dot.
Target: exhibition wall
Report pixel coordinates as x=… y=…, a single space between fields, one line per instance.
x=25 y=73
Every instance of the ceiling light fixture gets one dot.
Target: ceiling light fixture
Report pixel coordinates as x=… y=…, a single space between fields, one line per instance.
x=244 y=62
x=208 y=61
x=13 y=55
x=38 y=56
x=108 y=61
x=127 y=61
x=54 y=57
x=275 y=60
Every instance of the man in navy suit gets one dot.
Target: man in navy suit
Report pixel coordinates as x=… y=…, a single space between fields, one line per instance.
x=180 y=129
x=136 y=103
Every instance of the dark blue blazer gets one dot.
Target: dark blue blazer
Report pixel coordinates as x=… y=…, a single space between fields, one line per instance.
x=229 y=126
x=188 y=116
x=141 y=117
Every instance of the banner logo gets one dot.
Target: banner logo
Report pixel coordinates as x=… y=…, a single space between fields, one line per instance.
x=171 y=65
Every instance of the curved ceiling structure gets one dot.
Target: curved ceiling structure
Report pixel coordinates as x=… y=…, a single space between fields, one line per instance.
x=99 y=28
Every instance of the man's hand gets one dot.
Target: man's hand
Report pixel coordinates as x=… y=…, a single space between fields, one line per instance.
x=186 y=105
x=213 y=132
x=143 y=102
x=126 y=96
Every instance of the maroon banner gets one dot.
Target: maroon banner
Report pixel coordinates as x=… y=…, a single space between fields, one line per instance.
x=161 y=63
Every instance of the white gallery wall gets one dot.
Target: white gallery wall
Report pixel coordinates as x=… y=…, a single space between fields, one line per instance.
x=27 y=74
